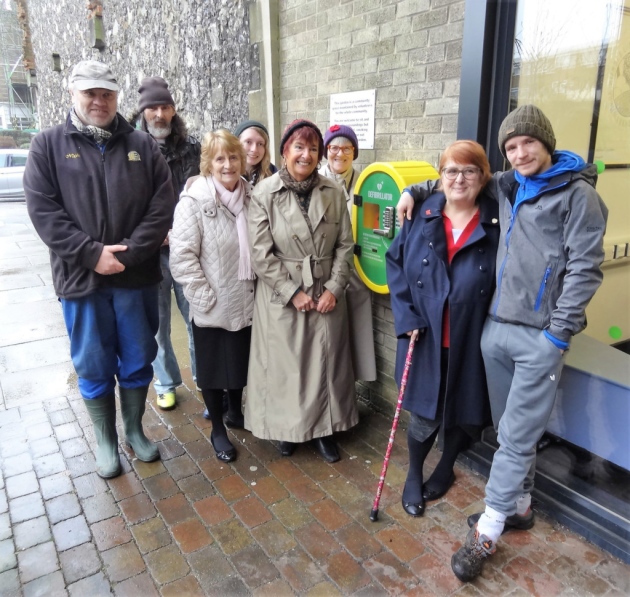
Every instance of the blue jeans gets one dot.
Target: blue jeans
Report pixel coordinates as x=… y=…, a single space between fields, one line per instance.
x=112 y=335
x=165 y=365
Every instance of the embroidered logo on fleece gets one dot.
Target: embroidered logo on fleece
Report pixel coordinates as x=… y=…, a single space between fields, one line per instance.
x=134 y=156
x=72 y=156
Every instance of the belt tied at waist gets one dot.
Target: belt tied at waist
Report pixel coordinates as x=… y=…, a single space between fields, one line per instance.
x=308 y=272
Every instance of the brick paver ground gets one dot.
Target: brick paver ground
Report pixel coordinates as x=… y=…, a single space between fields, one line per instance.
x=263 y=525
x=190 y=525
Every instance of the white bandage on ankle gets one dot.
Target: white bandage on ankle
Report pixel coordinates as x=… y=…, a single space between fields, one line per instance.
x=491 y=524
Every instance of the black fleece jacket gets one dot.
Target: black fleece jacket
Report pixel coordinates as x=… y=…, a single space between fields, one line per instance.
x=80 y=198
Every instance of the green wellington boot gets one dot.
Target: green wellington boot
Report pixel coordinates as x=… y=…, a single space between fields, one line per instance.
x=102 y=411
x=132 y=405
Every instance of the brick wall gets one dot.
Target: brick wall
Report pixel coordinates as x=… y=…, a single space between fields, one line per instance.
x=201 y=48
x=410 y=52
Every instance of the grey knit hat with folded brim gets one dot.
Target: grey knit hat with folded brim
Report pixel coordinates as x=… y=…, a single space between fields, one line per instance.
x=527 y=120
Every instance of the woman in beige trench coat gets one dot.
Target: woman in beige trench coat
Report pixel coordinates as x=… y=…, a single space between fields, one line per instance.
x=300 y=380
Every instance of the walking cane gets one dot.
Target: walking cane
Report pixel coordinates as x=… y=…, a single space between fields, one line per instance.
x=390 y=445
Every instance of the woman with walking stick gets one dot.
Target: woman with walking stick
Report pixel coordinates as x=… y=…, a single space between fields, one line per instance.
x=441 y=272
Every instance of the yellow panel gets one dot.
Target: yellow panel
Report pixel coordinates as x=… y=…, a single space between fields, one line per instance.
x=404 y=174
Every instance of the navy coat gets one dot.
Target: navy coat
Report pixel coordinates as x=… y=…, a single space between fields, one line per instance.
x=421 y=282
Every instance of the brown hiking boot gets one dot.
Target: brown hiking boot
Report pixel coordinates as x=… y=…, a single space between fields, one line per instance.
x=518 y=522
x=467 y=562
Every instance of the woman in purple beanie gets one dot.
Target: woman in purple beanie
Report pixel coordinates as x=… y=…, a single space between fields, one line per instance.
x=341 y=149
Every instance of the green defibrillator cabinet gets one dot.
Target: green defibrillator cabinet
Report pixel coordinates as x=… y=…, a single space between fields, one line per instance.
x=374 y=222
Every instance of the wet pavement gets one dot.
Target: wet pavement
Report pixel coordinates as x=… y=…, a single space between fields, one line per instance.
x=190 y=525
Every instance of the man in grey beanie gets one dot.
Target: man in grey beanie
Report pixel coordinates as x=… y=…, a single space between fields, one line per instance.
x=548 y=269
x=157 y=116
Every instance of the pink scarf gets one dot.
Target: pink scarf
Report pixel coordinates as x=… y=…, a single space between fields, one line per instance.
x=234 y=201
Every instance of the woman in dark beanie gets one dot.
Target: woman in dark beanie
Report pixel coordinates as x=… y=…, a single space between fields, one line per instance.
x=254 y=138
x=301 y=384
x=341 y=149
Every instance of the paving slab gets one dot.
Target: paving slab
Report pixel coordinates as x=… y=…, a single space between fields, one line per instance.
x=34 y=354
x=38 y=384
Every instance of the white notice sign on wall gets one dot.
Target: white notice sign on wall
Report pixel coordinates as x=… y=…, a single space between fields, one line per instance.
x=355 y=109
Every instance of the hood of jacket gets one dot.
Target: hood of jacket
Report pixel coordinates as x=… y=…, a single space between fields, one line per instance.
x=203 y=191
x=567 y=167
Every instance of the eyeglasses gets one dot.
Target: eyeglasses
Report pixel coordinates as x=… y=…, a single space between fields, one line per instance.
x=346 y=150
x=453 y=173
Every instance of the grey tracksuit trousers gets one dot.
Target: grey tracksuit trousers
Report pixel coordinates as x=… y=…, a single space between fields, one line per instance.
x=523 y=371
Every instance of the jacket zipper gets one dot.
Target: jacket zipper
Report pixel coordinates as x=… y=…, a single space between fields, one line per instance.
x=102 y=151
x=508 y=234
x=541 y=290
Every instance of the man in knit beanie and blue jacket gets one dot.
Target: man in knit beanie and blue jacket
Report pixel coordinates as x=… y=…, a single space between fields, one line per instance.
x=548 y=269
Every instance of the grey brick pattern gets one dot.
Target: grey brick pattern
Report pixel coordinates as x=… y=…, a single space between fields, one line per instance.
x=410 y=52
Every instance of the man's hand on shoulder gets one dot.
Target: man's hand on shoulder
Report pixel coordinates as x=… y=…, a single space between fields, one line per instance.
x=404 y=207
x=107 y=263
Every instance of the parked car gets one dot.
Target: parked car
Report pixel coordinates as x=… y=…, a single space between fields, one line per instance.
x=12 y=163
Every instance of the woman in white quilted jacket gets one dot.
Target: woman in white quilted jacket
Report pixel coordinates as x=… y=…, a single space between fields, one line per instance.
x=210 y=258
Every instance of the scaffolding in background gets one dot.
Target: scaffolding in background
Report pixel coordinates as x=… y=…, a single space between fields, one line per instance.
x=16 y=92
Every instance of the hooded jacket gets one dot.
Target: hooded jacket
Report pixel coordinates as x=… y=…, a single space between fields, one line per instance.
x=181 y=151
x=183 y=160
x=80 y=199
x=551 y=247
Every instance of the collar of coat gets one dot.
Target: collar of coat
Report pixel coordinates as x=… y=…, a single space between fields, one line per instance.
x=275 y=183
x=429 y=215
x=322 y=196
x=488 y=208
x=123 y=127
x=204 y=192
x=509 y=185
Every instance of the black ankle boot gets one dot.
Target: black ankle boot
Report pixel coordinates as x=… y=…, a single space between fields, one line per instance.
x=327 y=448
x=412 y=500
x=286 y=448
